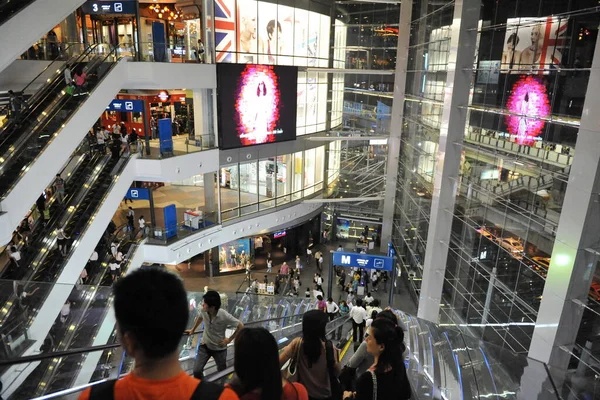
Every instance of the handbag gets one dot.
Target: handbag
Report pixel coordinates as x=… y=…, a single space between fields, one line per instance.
x=291 y=367
x=374 y=377
x=334 y=383
x=70 y=90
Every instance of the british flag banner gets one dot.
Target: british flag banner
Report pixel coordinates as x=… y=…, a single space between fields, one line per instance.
x=224 y=30
x=534 y=44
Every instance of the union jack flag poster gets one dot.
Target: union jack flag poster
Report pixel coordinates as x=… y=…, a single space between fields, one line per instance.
x=224 y=30
x=534 y=44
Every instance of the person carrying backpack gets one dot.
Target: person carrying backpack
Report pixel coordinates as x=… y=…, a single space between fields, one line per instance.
x=151 y=335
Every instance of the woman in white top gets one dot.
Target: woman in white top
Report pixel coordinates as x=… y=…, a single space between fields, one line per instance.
x=358 y=315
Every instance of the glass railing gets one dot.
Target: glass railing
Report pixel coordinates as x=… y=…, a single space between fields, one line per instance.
x=446 y=363
x=185 y=143
x=23 y=146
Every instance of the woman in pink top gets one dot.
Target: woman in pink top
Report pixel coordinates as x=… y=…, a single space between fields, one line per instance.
x=79 y=78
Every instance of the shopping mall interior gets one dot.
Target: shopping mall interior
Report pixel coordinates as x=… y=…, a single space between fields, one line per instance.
x=446 y=141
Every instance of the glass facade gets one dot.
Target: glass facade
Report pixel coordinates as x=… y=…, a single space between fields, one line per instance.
x=253 y=186
x=530 y=78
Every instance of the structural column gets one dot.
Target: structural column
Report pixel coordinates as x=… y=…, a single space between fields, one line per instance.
x=576 y=250
x=445 y=182
x=210 y=203
x=202 y=115
x=396 y=124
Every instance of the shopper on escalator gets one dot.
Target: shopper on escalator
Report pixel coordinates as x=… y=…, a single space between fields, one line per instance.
x=59 y=188
x=386 y=378
x=263 y=383
x=214 y=342
x=61 y=241
x=314 y=356
x=151 y=335
x=80 y=79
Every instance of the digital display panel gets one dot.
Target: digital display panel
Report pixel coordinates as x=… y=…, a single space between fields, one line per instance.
x=256 y=104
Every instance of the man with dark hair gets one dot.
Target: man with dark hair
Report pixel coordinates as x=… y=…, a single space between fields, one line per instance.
x=214 y=343
x=150 y=334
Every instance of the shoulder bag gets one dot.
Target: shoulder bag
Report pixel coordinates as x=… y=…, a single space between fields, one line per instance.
x=374 y=377
x=291 y=367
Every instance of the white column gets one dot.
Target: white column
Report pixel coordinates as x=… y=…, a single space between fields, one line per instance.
x=396 y=124
x=458 y=83
x=202 y=113
x=210 y=203
x=576 y=247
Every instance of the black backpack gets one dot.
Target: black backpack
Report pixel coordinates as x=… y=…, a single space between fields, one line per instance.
x=204 y=391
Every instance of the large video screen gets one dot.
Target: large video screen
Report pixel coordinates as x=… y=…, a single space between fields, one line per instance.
x=256 y=104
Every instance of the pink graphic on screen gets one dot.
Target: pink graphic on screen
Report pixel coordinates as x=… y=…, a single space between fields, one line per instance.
x=530 y=104
x=257 y=105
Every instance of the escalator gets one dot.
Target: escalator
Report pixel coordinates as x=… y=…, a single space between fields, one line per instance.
x=40 y=92
x=22 y=22
x=91 y=195
x=83 y=167
x=47 y=263
x=25 y=139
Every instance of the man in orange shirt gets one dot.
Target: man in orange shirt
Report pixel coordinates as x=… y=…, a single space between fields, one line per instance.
x=151 y=310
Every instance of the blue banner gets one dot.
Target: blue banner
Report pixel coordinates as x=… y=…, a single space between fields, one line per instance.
x=391 y=250
x=126 y=105
x=170 y=214
x=138 y=194
x=165 y=135
x=346 y=259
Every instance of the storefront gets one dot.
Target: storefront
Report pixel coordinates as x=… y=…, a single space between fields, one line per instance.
x=161 y=104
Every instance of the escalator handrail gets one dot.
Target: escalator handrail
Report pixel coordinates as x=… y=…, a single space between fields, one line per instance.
x=92 y=349
x=215 y=376
x=46 y=90
x=7 y=157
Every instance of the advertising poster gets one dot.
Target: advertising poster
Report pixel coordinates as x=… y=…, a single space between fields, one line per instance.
x=343 y=228
x=256 y=103
x=533 y=44
x=268 y=33
x=234 y=254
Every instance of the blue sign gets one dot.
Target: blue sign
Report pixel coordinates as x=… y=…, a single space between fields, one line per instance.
x=170 y=215
x=138 y=194
x=165 y=135
x=126 y=105
x=109 y=7
x=368 y=261
x=391 y=250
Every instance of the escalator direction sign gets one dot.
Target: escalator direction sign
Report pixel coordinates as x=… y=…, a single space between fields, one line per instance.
x=109 y=7
x=138 y=194
x=126 y=105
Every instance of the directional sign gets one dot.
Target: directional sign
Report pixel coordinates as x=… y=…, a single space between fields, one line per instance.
x=368 y=261
x=138 y=194
x=109 y=7
x=126 y=105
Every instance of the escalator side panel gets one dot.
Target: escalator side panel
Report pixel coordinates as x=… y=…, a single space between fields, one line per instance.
x=41 y=172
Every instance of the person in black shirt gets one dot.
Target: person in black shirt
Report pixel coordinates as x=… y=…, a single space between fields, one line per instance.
x=386 y=344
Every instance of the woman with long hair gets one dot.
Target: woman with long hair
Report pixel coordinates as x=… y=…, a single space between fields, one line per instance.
x=313 y=369
x=264 y=382
x=385 y=343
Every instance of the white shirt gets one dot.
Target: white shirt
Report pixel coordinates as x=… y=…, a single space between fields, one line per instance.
x=358 y=314
x=65 y=310
x=94 y=256
x=142 y=223
x=119 y=256
x=332 y=308
x=308 y=252
x=319 y=281
x=369 y=299
x=114 y=266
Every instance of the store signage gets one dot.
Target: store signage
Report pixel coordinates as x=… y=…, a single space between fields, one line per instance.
x=346 y=259
x=163 y=95
x=109 y=7
x=126 y=105
x=138 y=194
x=279 y=234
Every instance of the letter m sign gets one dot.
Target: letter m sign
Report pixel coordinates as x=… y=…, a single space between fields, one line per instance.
x=345 y=259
